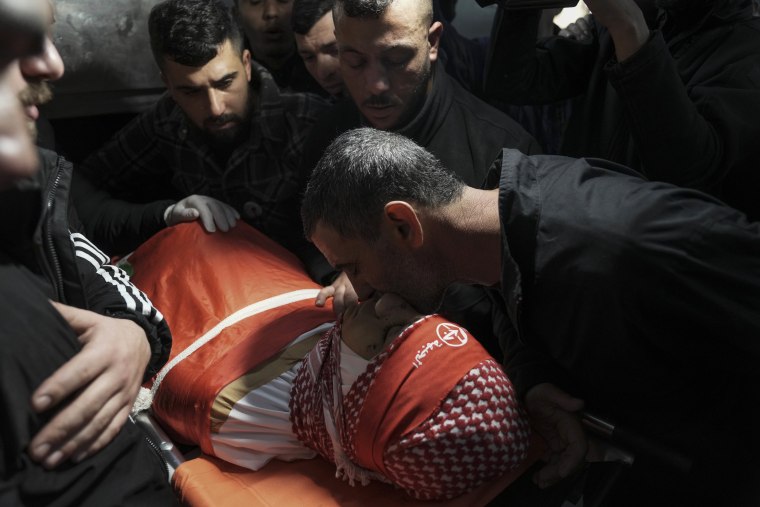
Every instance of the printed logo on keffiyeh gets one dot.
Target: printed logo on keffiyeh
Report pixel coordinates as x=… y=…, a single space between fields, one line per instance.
x=448 y=334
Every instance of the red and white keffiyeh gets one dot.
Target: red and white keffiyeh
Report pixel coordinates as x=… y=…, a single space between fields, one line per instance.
x=433 y=413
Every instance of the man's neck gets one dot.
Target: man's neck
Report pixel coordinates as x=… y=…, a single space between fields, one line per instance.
x=470 y=235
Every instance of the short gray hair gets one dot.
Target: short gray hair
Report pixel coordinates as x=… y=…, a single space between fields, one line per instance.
x=364 y=169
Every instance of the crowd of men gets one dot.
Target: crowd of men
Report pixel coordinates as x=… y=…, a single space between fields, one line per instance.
x=612 y=265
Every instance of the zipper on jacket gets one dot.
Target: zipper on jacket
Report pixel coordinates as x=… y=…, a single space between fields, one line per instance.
x=49 y=241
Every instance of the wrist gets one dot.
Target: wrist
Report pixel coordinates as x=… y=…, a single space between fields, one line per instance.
x=629 y=36
x=168 y=213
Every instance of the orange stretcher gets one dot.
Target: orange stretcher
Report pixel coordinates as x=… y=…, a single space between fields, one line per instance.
x=207 y=481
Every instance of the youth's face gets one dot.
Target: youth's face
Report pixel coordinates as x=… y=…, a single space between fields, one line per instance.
x=384 y=267
x=214 y=97
x=378 y=320
x=386 y=62
x=319 y=51
x=267 y=26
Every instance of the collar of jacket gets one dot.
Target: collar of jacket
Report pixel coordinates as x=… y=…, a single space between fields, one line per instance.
x=424 y=126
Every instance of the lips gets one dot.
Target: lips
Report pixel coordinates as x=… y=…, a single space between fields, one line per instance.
x=220 y=126
x=334 y=88
x=379 y=111
x=31 y=112
x=274 y=35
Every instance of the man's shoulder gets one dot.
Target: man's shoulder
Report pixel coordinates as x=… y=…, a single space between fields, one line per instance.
x=333 y=120
x=487 y=119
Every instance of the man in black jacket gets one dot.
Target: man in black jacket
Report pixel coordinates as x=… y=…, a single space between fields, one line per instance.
x=77 y=338
x=678 y=102
x=388 y=54
x=640 y=299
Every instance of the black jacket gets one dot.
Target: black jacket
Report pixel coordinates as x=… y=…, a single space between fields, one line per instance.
x=641 y=298
x=40 y=235
x=683 y=109
x=463 y=132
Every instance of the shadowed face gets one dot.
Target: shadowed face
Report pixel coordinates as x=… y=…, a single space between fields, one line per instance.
x=382 y=266
x=267 y=26
x=319 y=51
x=386 y=62
x=214 y=97
x=22 y=37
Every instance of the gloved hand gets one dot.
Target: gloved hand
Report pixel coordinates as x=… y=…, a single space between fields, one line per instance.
x=213 y=213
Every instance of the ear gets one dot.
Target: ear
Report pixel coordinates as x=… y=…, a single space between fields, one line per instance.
x=434 y=39
x=247 y=64
x=404 y=225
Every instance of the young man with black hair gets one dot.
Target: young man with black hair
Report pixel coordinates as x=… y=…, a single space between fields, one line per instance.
x=315 y=39
x=267 y=27
x=223 y=143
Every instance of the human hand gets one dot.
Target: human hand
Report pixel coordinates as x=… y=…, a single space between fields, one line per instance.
x=625 y=22
x=580 y=30
x=553 y=416
x=341 y=291
x=213 y=213
x=95 y=389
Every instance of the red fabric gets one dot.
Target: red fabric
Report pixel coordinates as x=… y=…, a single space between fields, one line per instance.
x=196 y=280
x=437 y=430
x=402 y=394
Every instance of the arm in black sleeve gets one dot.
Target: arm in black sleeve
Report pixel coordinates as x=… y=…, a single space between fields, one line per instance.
x=117 y=226
x=110 y=292
x=688 y=134
x=521 y=70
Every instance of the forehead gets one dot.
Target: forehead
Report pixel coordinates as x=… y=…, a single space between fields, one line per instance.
x=227 y=60
x=251 y=5
x=337 y=249
x=394 y=27
x=23 y=24
x=321 y=34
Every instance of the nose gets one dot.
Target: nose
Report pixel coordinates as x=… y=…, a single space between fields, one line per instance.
x=47 y=65
x=270 y=9
x=363 y=290
x=325 y=68
x=376 y=79
x=215 y=103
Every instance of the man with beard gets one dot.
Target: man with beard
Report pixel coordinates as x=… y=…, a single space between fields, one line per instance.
x=223 y=143
x=678 y=102
x=78 y=339
x=640 y=299
x=388 y=52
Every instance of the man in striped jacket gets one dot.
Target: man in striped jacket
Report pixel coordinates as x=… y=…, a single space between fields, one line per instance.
x=77 y=338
